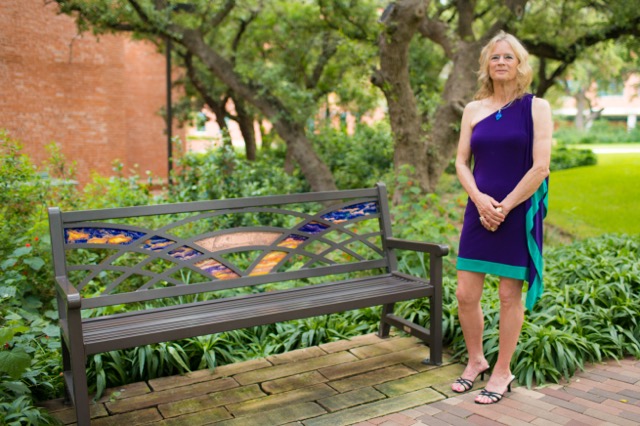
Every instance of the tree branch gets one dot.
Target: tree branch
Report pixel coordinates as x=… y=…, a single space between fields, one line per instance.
x=437 y=31
x=465 y=18
x=193 y=41
x=199 y=84
x=546 y=82
x=244 y=23
x=222 y=14
x=329 y=48
x=355 y=30
x=571 y=53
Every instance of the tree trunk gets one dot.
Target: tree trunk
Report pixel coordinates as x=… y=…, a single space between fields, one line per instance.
x=218 y=109
x=393 y=79
x=581 y=106
x=313 y=168
x=458 y=91
x=428 y=154
x=245 y=121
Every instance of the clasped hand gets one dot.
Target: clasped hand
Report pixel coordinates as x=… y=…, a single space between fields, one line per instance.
x=492 y=214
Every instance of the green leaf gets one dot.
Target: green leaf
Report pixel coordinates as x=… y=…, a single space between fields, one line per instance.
x=21 y=251
x=6 y=291
x=51 y=330
x=176 y=357
x=6 y=334
x=14 y=362
x=8 y=263
x=35 y=263
x=17 y=387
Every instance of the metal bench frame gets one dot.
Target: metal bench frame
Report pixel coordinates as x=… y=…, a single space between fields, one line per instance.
x=82 y=337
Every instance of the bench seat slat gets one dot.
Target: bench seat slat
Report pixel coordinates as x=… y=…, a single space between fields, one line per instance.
x=152 y=326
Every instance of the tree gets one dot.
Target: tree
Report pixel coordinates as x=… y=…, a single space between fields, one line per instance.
x=277 y=57
x=557 y=33
x=282 y=57
x=607 y=65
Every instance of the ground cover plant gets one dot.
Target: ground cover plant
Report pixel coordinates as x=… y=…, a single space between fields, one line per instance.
x=587 y=312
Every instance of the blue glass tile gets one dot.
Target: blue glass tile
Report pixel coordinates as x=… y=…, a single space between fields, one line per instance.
x=101 y=236
x=157 y=243
x=184 y=253
x=352 y=212
x=313 y=227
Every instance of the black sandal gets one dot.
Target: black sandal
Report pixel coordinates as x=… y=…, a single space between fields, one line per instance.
x=495 y=397
x=468 y=384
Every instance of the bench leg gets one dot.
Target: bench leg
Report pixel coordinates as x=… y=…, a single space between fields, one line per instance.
x=75 y=370
x=435 y=330
x=81 y=392
x=66 y=368
x=385 y=327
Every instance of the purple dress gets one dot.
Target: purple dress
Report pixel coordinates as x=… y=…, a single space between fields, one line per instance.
x=502 y=154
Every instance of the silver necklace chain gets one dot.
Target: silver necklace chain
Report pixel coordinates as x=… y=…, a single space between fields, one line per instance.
x=499 y=113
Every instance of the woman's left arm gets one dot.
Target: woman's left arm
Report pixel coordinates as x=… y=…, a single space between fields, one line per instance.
x=531 y=181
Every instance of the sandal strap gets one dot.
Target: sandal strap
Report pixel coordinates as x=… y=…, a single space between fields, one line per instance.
x=493 y=396
x=466 y=383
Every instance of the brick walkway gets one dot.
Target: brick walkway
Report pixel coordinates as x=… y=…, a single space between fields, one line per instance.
x=364 y=381
x=607 y=394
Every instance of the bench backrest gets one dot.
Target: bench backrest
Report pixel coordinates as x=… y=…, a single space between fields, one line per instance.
x=136 y=254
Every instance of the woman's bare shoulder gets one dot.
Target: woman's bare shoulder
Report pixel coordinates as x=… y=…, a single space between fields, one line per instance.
x=473 y=105
x=541 y=104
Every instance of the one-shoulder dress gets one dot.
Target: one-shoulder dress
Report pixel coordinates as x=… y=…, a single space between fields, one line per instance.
x=502 y=149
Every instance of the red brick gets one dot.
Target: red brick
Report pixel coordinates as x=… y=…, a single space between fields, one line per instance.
x=576 y=417
x=482 y=421
x=557 y=394
x=98 y=99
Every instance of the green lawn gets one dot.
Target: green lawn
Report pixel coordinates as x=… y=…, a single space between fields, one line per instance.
x=593 y=200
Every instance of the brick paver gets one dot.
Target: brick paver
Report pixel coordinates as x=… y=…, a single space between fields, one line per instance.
x=365 y=381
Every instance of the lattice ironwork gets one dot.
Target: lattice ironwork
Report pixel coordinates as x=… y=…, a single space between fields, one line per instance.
x=112 y=258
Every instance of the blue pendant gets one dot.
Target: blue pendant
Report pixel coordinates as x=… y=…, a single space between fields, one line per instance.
x=498 y=116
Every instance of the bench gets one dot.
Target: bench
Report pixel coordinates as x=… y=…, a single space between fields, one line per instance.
x=228 y=264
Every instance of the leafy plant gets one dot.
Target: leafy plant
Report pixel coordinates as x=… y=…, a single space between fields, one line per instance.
x=222 y=173
x=602 y=131
x=588 y=312
x=566 y=158
x=358 y=160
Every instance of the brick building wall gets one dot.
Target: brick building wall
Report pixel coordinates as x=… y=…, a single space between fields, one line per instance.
x=98 y=98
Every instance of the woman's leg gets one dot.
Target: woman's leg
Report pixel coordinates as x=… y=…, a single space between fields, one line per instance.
x=511 y=319
x=469 y=292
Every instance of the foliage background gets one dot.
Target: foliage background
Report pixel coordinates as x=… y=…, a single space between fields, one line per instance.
x=588 y=312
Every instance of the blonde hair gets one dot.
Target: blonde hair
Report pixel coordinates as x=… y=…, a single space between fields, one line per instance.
x=525 y=73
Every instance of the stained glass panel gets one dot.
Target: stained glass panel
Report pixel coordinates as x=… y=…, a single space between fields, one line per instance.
x=157 y=243
x=237 y=240
x=351 y=212
x=216 y=269
x=184 y=253
x=101 y=236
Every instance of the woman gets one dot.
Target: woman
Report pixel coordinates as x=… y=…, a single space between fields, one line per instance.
x=507 y=132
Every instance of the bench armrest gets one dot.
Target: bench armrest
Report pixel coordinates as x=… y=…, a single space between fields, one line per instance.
x=439 y=250
x=68 y=292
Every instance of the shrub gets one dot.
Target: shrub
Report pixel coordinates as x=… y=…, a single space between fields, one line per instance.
x=601 y=132
x=358 y=160
x=223 y=173
x=29 y=360
x=564 y=158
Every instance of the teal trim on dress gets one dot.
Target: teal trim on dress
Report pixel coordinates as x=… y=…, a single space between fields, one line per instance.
x=500 y=269
x=536 y=287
